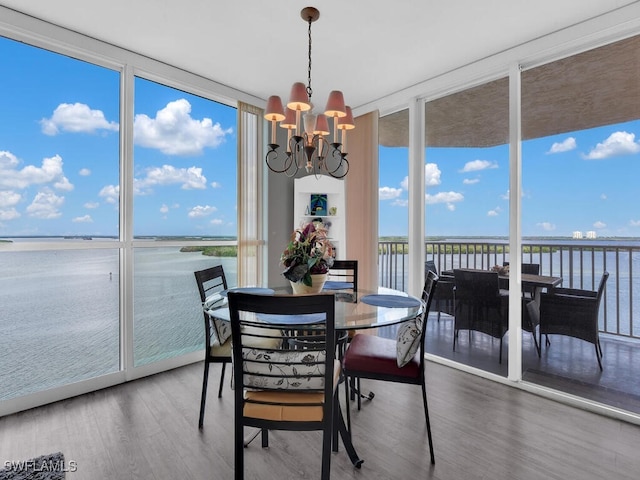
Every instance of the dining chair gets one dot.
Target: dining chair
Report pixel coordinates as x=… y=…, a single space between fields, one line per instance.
x=343 y=275
x=529 y=323
x=480 y=305
x=443 y=297
x=572 y=312
x=291 y=385
x=217 y=333
x=400 y=360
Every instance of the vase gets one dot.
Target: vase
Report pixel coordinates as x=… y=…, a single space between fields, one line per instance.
x=317 y=282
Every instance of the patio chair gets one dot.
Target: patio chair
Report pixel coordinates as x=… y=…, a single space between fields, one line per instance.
x=480 y=305
x=211 y=282
x=572 y=312
x=284 y=387
x=400 y=360
x=443 y=296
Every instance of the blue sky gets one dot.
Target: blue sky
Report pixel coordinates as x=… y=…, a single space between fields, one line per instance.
x=59 y=152
x=59 y=133
x=579 y=181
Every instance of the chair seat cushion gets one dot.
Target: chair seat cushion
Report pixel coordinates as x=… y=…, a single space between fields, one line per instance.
x=277 y=405
x=376 y=355
x=223 y=350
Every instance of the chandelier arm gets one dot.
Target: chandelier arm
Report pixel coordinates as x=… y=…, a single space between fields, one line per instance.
x=273 y=155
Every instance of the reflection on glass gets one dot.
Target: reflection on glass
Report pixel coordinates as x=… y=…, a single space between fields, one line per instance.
x=168 y=318
x=60 y=318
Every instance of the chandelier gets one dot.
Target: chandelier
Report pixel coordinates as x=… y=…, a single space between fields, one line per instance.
x=308 y=142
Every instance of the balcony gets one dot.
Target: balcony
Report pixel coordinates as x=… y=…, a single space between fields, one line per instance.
x=569 y=365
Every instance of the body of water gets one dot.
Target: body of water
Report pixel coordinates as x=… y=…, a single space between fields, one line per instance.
x=60 y=313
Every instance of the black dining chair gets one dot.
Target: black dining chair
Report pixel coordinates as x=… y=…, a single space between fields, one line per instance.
x=443 y=297
x=211 y=282
x=480 y=305
x=572 y=312
x=343 y=275
x=291 y=385
x=400 y=360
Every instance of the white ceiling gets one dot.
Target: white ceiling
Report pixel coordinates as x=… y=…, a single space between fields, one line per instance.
x=367 y=48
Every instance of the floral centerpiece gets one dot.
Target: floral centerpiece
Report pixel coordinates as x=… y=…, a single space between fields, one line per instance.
x=309 y=252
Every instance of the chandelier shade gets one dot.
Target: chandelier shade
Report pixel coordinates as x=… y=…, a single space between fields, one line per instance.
x=309 y=145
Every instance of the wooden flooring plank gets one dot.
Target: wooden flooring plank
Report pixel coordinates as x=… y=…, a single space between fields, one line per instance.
x=147 y=429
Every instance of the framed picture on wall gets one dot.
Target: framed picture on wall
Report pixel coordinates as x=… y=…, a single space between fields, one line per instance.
x=318 y=204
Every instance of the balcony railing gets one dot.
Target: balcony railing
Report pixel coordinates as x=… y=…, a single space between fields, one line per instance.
x=579 y=263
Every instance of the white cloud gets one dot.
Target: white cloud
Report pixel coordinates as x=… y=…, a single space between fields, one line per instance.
x=9 y=214
x=618 y=143
x=84 y=172
x=8 y=160
x=444 y=197
x=50 y=172
x=91 y=205
x=174 y=132
x=190 y=178
x=83 y=219
x=495 y=212
x=9 y=198
x=201 y=211
x=215 y=185
x=389 y=193
x=603 y=196
x=164 y=209
x=76 y=118
x=470 y=181
x=634 y=223
x=599 y=224
x=216 y=221
x=564 y=146
x=110 y=193
x=546 y=226
x=431 y=176
x=477 y=165
x=399 y=202
x=45 y=205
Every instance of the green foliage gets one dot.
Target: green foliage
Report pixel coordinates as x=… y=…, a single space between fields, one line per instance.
x=216 y=251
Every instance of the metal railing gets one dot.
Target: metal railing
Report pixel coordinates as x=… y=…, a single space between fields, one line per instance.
x=580 y=264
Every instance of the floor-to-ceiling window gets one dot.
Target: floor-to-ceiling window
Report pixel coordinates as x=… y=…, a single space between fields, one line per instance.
x=78 y=291
x=59 y=220
x=393 y=227
x=467 y=203
x=580 y=161
x=185 y=185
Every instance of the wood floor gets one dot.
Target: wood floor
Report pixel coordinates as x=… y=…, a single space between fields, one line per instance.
x=147 y=429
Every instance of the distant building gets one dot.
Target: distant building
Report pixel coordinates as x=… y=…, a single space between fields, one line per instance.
x=591 y=234
x=577 y=235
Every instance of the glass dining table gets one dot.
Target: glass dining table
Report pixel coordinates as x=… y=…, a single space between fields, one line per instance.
x=354 y=311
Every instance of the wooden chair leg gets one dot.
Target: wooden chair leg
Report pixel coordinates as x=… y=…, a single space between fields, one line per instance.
x=224 y=364
x=203 y=398
x=426 y=416
x=238 y=450
x=598 y=355
x=347 y=397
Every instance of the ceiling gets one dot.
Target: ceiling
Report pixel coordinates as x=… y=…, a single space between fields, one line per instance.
x=367 y=48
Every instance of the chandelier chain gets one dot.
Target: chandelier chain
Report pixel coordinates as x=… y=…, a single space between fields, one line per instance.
x=309 y=90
